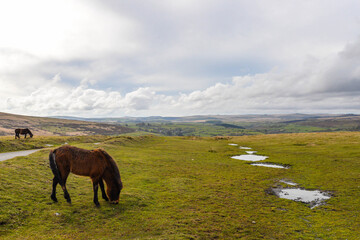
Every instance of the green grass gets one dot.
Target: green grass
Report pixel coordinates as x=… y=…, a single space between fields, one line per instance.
x=295 y=128
x=190 y=129
x=190 y=188
x=9 y=144
x=216 y=128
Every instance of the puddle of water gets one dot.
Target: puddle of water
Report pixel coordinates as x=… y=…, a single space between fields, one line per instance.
x=232 y=144
x=9 y=155
x=271 y=165
x=312 y=197
x=245 y=148
x=251 y=152
x=250 y=157
x=97 y=143
x=288 y=182
x=48 y=145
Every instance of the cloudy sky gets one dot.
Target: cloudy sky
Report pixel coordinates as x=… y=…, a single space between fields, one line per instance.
x=97 y=58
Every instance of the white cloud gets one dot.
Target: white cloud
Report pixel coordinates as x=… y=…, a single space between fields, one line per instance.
x=64 y=29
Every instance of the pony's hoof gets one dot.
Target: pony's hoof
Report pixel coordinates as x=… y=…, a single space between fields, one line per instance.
x=97 y=204
x=105 y=198
x=54 y=198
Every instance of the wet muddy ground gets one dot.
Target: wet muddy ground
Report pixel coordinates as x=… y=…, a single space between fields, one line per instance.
x=313 y=198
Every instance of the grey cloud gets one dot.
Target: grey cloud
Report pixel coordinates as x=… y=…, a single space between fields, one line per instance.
x=344 y=74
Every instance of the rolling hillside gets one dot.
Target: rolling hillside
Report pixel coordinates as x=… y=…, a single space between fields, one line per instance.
x=235 y=125
x=53 y=126
x=205 y=125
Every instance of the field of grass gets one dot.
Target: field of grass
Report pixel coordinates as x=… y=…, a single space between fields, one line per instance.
x=189 y=188
x=218 y=128
x=191 y=129
x=9 y=144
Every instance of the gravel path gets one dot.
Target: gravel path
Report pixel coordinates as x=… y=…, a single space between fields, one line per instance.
x=9 y=155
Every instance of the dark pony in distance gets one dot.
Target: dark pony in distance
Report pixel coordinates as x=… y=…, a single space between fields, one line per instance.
x=22 y=132
x=97 y=164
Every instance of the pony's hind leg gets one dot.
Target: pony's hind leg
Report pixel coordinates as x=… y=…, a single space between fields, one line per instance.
x=104 y=196
x=53 y=194
x=63 y=186
x=61 y=173
x=66 y=194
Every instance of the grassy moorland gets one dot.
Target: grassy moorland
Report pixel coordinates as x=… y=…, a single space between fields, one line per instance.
x=222 y=125
x=190 y=188
x=8 y=144
x=42 y=126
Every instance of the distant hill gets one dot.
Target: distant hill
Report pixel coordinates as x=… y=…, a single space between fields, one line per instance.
x=199 y=125
x=235 y=125
x=285 y=118
x=45 y=126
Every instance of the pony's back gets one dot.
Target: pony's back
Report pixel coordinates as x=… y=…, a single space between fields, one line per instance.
x=80 y=161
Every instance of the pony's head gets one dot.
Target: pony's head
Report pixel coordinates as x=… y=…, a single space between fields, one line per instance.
x=112 y=179
x=113 y=191
x=31 y=135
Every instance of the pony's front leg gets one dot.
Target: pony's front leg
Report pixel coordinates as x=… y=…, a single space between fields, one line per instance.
x=104 y=196
x=96 y=187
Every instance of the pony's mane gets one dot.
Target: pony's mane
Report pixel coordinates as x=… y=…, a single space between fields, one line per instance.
x=113 y=165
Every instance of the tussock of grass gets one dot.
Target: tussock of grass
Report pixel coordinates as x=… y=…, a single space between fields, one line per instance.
x=189 y=188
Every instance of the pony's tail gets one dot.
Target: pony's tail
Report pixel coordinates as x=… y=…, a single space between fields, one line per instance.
x=54 y=167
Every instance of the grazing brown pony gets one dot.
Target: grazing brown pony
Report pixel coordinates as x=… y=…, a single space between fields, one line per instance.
x=97 y=164
x=25 y=131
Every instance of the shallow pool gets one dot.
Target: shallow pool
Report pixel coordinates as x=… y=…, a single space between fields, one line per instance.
x=312 y=197
x=245 y=147
x=270 y=165
x=250 y=157
x=251 y=152
x=288 y=182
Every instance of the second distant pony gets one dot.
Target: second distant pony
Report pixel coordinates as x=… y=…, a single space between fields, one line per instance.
x=22 y=132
